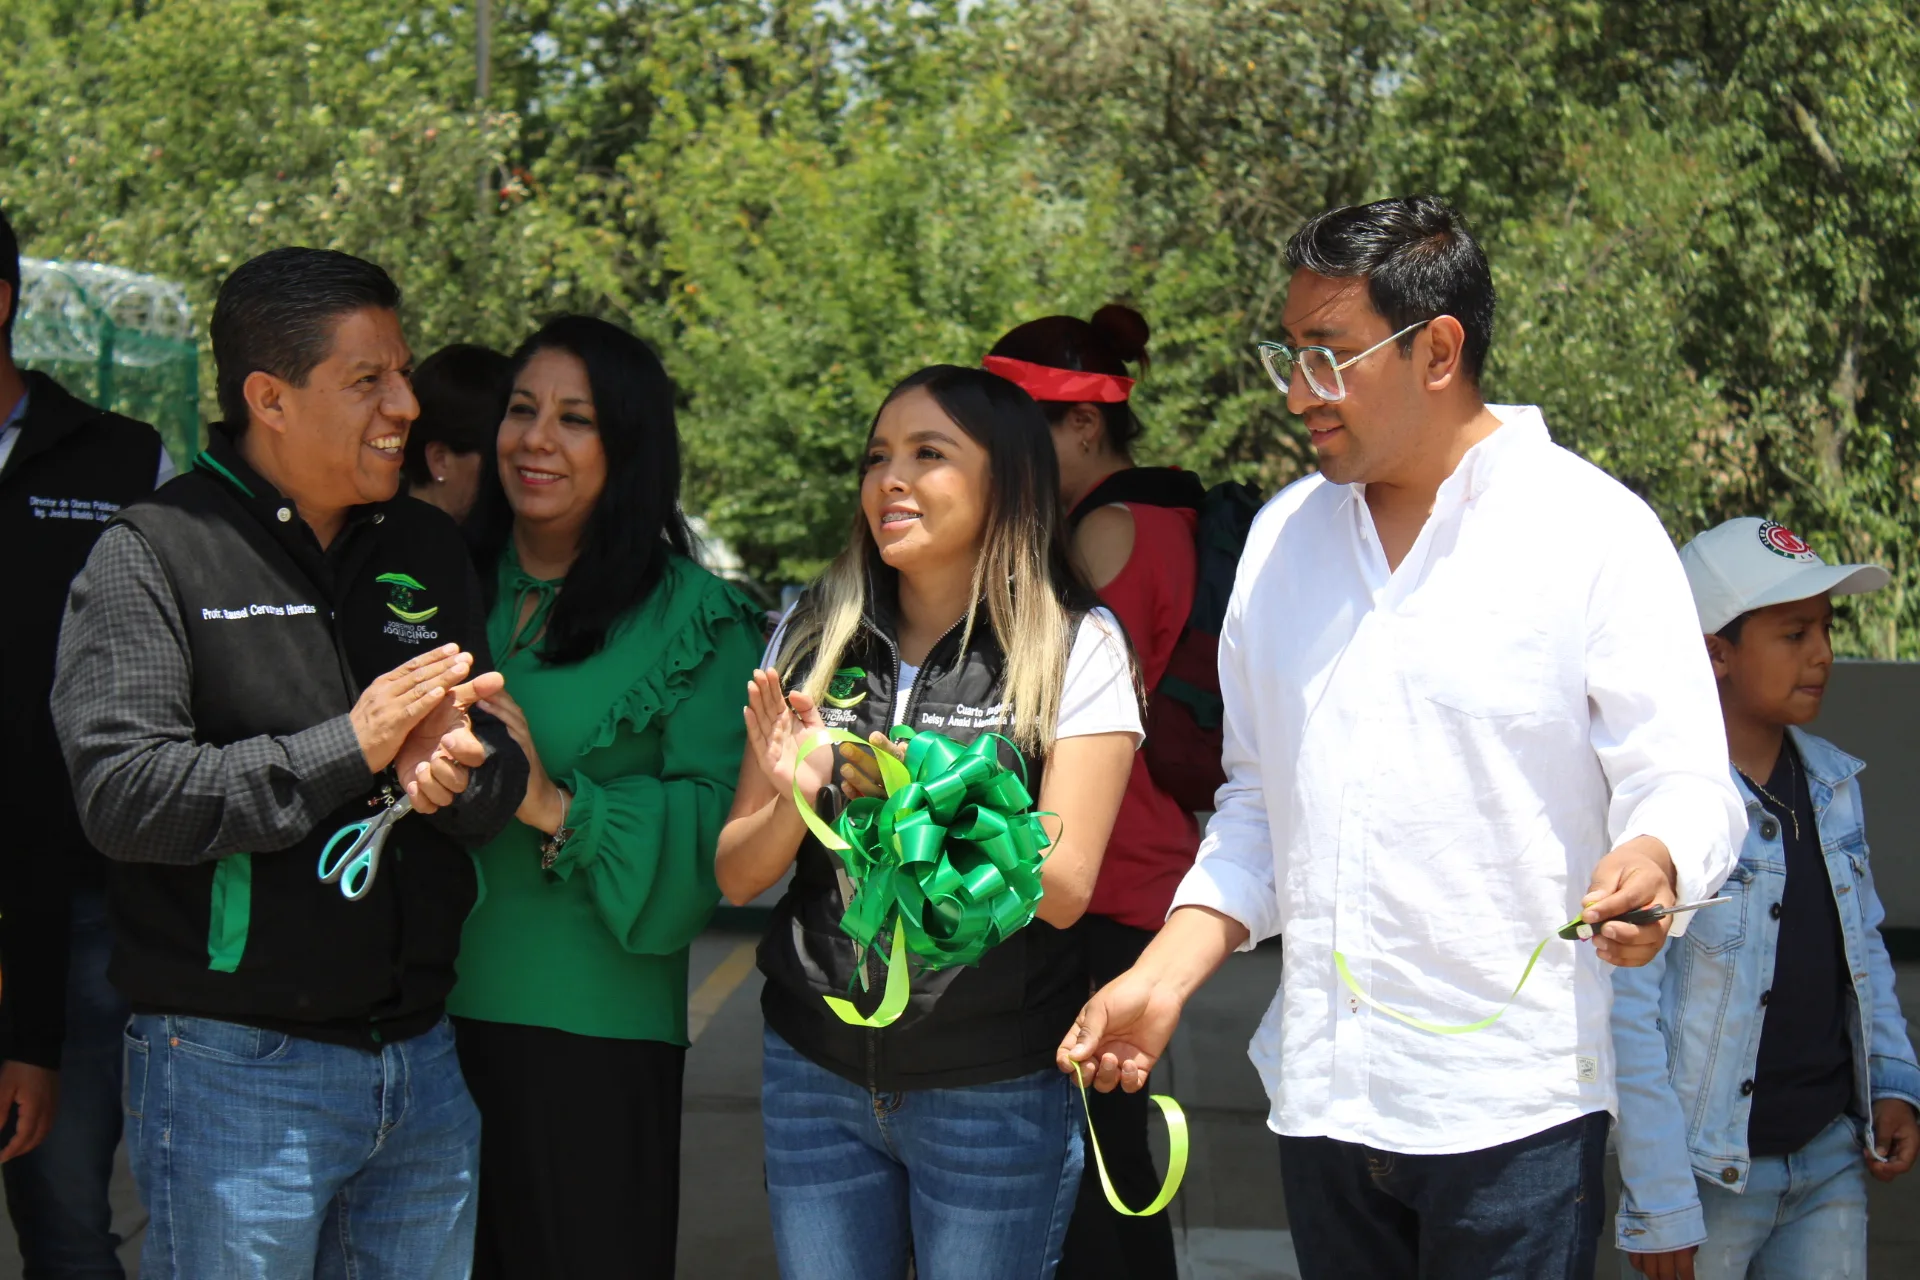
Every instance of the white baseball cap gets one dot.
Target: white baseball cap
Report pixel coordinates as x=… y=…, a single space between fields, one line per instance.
x=1749 y=563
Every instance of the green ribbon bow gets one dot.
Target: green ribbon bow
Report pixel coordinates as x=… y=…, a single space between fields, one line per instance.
x=950 y=858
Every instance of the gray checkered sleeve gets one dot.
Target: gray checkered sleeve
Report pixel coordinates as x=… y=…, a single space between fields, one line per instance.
x=122 y=704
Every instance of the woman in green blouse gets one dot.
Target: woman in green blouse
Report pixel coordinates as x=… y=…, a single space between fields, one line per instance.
x=624 y=661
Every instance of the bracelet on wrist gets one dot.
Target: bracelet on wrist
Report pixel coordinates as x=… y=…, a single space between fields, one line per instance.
x=551 y=846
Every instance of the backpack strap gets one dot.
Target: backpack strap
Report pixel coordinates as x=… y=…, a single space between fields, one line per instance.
x=1151 y=486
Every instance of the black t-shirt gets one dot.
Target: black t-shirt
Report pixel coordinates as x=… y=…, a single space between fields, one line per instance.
x=1804 y=1077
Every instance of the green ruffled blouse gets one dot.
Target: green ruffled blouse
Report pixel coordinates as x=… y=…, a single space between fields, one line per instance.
x=647 y=735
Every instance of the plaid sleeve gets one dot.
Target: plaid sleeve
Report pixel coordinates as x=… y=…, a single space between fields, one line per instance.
x=122 y=706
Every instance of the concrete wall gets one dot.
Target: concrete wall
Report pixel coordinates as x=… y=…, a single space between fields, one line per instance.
x=1873 y=711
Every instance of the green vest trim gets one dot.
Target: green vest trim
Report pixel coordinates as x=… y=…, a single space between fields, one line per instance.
x=230 y=912
x=207 y=462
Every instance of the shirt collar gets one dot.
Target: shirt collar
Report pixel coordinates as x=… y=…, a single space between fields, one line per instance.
x=1522 y=429
x=223 y=459
x=18 y=413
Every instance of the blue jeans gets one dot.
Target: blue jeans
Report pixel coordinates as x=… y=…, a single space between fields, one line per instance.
x=262 y=1156
x=1801 y=1215
x=1530 y=1209
x=57 y=1193
x=977 y=1182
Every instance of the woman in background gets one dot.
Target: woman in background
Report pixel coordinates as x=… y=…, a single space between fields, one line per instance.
x=624 y=661
x=462 y=391
x=1133 y=537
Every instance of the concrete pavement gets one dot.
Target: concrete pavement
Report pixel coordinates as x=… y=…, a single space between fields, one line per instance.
x=1229 y=1216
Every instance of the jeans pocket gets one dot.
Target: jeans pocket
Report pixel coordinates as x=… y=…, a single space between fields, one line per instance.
x=133 y=1077
x=226 y=1041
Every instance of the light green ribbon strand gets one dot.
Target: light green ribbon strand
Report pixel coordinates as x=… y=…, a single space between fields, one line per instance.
x=1346 y=976
x=949 y=862
x=1176 y=1152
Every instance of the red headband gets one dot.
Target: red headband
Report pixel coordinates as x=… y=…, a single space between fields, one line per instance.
x=1043 y=382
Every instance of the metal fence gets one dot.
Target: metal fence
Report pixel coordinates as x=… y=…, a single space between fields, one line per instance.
x=115 y=338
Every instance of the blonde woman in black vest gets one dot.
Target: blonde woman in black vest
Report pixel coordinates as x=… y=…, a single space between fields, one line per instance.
x=954 y=609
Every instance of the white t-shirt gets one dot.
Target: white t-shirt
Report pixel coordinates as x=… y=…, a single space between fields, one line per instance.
x=1097 y=696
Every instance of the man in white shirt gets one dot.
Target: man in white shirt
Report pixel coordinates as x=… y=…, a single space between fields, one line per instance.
x=1465 y=701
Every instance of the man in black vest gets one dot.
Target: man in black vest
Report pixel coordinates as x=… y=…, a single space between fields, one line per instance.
x=65 y=469
x=263 y=655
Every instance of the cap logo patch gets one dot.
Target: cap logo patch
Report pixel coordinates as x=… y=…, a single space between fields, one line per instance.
x=1785 y=543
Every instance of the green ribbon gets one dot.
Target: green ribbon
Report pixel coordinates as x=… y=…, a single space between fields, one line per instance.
x=949 y=861
x=1571 y=929
x=952 y=857
x=1176 y=1152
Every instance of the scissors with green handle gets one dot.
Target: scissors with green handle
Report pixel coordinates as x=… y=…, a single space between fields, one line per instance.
x=359 y=863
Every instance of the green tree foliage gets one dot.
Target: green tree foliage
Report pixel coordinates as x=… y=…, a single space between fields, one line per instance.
x=182 y=137
x=1702 y=214
x=1707 y=220
x=1231 y=122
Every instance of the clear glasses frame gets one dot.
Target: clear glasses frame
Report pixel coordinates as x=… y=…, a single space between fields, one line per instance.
x=1322 y=368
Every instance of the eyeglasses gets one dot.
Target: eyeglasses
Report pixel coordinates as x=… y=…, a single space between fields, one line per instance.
x=1318 y=363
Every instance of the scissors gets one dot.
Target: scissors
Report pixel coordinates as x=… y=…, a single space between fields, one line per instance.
x=360 y=863
x=1580 y=930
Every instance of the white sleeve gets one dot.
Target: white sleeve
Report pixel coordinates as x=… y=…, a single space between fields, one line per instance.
x=1234 y=871
x=1098 y=696
x=1656 y=722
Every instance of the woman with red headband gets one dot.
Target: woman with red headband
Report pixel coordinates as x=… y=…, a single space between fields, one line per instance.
x=1133 y=535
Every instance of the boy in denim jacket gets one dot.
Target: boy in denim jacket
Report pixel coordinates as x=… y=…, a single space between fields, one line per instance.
x=1763 y=1062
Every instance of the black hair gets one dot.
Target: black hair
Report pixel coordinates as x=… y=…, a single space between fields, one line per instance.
x=1115 y=338
x=9 y=276
x=1731 y=632
x=462 y=390
x=637 y=521
x=275 y=314
x=1419 y=261
x=1025 y=487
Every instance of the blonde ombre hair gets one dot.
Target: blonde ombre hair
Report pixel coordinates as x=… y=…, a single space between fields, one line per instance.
x=1022 y=576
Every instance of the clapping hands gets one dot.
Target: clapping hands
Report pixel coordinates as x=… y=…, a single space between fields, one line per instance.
x=776 y=725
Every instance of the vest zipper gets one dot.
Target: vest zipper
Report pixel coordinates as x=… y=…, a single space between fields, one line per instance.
x=871 y=964
x=919 y=686
x=870 y=1038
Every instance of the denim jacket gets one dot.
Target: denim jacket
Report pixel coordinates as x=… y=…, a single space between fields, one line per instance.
x=1686 y=1028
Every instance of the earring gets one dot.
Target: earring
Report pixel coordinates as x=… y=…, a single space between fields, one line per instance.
x=439 y=479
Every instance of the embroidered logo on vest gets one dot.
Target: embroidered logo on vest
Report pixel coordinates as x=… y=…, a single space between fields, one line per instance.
x=401 y=600
x=840 y=693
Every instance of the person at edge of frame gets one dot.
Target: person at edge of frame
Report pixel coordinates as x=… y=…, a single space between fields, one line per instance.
x=65 y=468
x=462 y=390
x=1465 y=701
x=1765 y=1067
x=266 y=652
x=626 y=660
x=1133 y=537
x=946 y=1136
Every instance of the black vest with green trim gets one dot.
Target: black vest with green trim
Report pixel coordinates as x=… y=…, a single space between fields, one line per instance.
x=283 y=636
x=967 y=1025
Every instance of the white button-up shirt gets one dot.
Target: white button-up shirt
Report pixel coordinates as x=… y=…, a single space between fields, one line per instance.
x=1423 y=767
